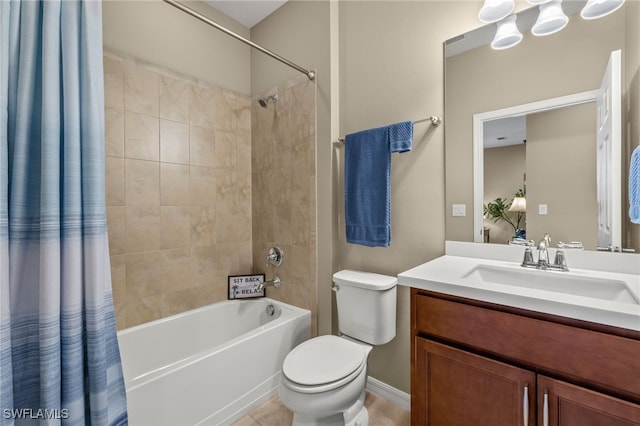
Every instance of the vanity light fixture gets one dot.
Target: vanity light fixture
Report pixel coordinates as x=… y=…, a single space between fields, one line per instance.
x=595 y=9
x=551 y=19
x=507 y=34
x=495 y=10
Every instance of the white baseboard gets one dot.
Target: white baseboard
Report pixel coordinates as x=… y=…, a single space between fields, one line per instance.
x=391 y=394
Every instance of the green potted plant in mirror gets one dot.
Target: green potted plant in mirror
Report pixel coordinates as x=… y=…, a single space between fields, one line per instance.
x=512 y=213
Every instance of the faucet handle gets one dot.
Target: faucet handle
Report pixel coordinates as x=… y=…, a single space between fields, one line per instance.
x=528 y=257
x=275 y=256
x=560 y=261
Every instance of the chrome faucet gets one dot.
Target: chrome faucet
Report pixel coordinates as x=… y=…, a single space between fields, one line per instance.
x=275 y=282
x=543 y=253
x=559 y=262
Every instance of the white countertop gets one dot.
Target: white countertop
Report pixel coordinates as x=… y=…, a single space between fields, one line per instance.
x=450 y=274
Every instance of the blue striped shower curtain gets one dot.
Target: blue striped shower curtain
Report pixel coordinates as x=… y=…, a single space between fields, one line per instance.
x=59 y=357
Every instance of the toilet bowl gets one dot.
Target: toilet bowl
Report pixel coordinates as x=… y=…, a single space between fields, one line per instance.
x=323 y=379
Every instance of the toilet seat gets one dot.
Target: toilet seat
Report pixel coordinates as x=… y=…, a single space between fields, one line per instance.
x=323 y=363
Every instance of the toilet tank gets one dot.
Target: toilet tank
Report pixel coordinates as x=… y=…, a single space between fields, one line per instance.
x=366 y=305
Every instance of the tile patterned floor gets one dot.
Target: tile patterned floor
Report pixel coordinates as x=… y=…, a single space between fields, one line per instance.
x=274 y=413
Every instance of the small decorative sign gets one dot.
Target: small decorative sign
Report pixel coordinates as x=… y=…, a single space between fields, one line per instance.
x=245 y=286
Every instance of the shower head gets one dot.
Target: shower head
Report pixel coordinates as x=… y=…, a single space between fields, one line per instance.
x=265 y=101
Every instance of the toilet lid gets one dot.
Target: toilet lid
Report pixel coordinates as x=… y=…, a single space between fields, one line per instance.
x=322 y=360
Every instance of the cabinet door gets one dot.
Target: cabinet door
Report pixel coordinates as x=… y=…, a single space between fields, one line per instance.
x=457 y=388
x=570 y=405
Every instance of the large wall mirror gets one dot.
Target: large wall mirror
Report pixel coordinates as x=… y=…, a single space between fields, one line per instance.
x=524 y=121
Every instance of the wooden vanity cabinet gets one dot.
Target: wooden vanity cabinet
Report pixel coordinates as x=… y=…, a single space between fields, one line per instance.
x=475 y=363
x=569 y=404
x=460 y=388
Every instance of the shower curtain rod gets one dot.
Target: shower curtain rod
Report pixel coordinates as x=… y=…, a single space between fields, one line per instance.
x=310 y=74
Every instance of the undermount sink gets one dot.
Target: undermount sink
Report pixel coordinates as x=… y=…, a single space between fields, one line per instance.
x=559 y=282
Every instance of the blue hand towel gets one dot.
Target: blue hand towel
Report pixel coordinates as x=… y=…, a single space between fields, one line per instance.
x=367 y=182
x=634 y=186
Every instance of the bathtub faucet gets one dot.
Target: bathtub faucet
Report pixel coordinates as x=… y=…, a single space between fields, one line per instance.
x=275 y=282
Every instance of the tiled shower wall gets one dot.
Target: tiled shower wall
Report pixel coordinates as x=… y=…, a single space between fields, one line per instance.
x=178 y=183
x=193 y=198
x=284 y=191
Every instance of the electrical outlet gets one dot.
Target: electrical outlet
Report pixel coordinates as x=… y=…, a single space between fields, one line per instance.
x=542 y=209
x=459 y=210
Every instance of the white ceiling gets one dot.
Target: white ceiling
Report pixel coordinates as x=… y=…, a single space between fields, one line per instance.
x=247 y=12
x=504 y=132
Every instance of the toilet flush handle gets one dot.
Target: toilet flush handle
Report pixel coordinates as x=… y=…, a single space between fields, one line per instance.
x=335 y=287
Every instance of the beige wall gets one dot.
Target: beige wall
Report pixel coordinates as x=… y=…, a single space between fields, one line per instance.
x=178 y=189
x=504 y=169
x=391 y=69
x=561 y=173
x=513 y=77
x=160 y=34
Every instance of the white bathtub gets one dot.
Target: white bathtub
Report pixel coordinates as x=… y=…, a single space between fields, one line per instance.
x=211 y=365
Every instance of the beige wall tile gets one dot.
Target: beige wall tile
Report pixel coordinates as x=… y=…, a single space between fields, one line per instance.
x=226 y=189
x=118 y=285
x=176 y=302
x=174 y=142
x=174 y=184
x=202 y=146
x=174 y=99
x=203 y=267
x=118 y=279
x=113 y=83
x=300 y=224
x=226 y=150
x=230 y=227
x=202 y=186
x=235 y=258
x=282 y=223
x=116 y=223
x=226 y=109
x=114 y=131
x=143 y=228
x=114 y=181
x=216 y=201
x=144 y=275
x=142 y=183
x=175 y=227
x=243 y=143
x=176 y=270
x=203 y=226
x=205 y=296
x=201 y=106
x=283 y=150
x=141 y=90
x=144 y=310
x=244 y=113
x=142 y=136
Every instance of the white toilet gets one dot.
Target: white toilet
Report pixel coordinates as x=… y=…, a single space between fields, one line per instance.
x=324 y=378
